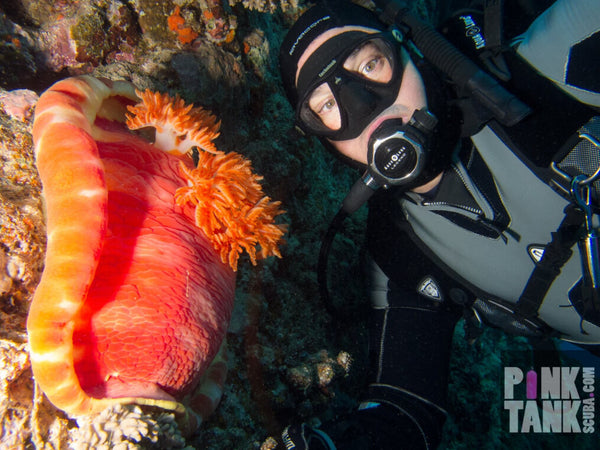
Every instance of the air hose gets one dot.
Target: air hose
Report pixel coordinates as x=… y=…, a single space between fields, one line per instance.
x=335 y=226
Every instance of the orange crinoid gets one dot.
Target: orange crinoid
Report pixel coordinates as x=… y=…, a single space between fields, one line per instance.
x=135 y=298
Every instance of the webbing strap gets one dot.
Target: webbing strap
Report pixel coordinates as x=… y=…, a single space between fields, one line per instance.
x=556 y=254
x=492 y=24
x=493 y=31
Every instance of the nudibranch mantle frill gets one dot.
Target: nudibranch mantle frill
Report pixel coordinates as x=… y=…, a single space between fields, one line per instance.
x=135 y=298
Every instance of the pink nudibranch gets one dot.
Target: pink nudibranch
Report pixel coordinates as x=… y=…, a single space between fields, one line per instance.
x=134 y=301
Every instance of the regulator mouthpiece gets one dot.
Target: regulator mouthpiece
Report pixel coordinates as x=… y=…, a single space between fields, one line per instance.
x=398 y=152
x=397 y=156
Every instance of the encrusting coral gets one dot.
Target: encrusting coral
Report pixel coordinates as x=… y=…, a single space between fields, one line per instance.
x=176 y=23
x=127 y=427
x=268 y=5
x=230 y=207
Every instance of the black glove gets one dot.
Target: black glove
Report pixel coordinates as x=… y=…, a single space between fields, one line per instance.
x=301 y=437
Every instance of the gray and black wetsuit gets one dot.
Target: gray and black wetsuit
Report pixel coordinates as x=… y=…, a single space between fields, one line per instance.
x=475 y=241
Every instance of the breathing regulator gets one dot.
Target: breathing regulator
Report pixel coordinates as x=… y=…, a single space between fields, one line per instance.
x=397 y=155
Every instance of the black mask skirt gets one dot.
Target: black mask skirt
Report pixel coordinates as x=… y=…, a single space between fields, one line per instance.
x=359 y=99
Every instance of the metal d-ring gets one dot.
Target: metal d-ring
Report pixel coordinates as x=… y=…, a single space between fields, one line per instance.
x=580 y=180
x=596 y=174
x=578 y=187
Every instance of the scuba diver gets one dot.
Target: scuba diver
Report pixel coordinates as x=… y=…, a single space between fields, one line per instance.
x=481 y=161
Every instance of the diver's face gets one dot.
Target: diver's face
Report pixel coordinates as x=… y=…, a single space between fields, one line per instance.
x=368 y=61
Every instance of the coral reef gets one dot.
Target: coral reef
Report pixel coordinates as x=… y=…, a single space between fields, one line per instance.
x=127 y=427
x=269 y=6
x=22 y=237
x=177 y=24
x=14 y=393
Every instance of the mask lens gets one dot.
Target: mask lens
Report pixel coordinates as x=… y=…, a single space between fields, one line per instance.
x=373 y=61
x=368 y=67
x=320 y=110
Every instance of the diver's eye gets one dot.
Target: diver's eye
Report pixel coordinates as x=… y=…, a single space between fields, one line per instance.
x=322 y=100
x=324 y=106
x=371 y=62
x=370 y=68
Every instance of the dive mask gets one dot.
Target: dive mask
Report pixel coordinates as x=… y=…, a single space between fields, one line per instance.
x=348 y=81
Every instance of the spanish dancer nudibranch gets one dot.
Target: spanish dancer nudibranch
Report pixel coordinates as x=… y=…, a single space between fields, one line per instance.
x=142 y=248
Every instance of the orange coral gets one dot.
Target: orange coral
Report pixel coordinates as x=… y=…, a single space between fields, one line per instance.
x=229 y=37
x=176 y=23
x=178 y=127
x=230 y=207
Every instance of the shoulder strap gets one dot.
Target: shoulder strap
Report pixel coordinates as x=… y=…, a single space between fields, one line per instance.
x=493 y=31
x=492 y=23
x=556 y=254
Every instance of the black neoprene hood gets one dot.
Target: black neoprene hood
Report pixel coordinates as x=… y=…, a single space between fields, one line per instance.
x=314 y=22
